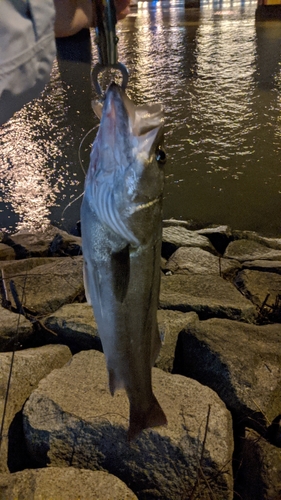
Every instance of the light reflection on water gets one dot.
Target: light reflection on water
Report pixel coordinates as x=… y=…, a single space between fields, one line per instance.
x=218 y=75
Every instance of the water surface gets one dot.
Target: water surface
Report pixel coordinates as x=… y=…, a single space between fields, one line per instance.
x=217 y=72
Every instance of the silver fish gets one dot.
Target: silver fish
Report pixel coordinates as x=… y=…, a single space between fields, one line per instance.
x=121 y=218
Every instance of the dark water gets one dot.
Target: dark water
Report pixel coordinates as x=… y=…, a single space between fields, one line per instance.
x=218 y=74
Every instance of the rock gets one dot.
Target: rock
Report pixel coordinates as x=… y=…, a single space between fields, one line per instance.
x=29 y=367
x=14 y=328
x=63 y=484
x=75 y=326
x=256 y=285
x=208 y=295
x=10 y=270
x=259 y=474
x=72 y=419
x=170 y=323
x=175 y=237
x=6 y=252
x=272 y=266
x=252 y=235
x=241 y=362
x=51 y=241
x=198 y=261
x=219 y=236
x=46 y=288
x=250 y=250
x=187 y=224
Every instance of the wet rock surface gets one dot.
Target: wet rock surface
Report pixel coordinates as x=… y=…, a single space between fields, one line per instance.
x=219 y=320
x=63 y=484
x=69 y=419
x=29 y=367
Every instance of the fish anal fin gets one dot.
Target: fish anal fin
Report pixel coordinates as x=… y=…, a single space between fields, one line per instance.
x=153 y=417
x=120 y=266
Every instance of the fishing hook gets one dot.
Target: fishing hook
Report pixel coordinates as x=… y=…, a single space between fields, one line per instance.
x=106 y=41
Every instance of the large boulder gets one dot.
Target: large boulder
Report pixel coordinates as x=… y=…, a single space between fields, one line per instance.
x=207 y=295
x=219 y=236
x=45 y=288
x=14 y=329
x=63 y=484
x=250 y=250
x=259 y=473
x=170 y=323
x=72 y=419
x=50 y=241
x=191 y=259
x=240 y=361
x=75 y=326
x=271 y=266
x=28 y=368
x=6 y=252
x=257 y=285
x=252 y=235
x=175 y=237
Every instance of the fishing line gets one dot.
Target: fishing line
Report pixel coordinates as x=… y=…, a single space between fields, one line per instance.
x=20 y=309
x=82 y=168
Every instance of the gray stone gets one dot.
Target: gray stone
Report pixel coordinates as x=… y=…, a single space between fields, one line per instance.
x=14 y=328
x=63 y=484
x=46 y=288
x=198 y=261
x=71 y=418
x=259 y=474
x=175 y=237
x=207 y=295
x=6 y=252
x=250 y=250
x=219 y=236
x=252 y=235
x=256 y=285
x=75 y=326
x=272 y=266
x=187 y=224
x=39 y=243
x=241 y=362
x=29 y=367
x=170 y=324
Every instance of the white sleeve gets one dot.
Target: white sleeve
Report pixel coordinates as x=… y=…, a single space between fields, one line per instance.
x=27 y=51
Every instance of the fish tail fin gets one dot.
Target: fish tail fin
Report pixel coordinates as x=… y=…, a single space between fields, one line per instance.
x=153 y=417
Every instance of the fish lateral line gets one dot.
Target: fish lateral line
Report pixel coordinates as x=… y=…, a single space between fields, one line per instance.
x=143 y=206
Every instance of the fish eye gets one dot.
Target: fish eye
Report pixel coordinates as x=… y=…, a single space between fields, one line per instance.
x=160 y=155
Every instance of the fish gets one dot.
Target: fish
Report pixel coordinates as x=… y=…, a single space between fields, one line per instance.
x=121 y=228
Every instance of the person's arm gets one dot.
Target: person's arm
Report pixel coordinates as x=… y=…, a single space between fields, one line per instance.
x=73 y=15
x=27 y=52
x=27 y=44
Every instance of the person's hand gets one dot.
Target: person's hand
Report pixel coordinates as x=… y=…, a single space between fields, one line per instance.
x=73 y=15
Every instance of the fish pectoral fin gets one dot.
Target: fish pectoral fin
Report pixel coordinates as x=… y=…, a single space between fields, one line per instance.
x=120 y=267
x=140 y=420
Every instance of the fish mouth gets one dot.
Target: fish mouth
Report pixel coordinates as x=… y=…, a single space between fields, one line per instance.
x=118 y=107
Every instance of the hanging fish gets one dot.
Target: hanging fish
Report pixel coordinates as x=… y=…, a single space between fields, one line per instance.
x=121 y=217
